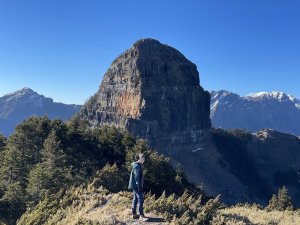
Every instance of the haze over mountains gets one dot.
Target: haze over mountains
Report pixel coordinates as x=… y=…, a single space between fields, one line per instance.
x=256 y=111
x=19 y=105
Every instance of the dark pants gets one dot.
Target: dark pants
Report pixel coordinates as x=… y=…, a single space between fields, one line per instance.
x=138 y=198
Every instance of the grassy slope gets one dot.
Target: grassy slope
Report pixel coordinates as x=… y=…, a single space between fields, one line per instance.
x=88 y=206
x=243 y=215
x=115 y=210
x=96 y=206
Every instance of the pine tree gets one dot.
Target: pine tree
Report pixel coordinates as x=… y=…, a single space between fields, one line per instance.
x=22 y=150
x=2 y=145
x=2 y=142
x=51 y=174
x=12 y=203
x=112 y=178
x=13 y=179
x=281 y=202
x=273 y=202
x=16 y=161
x=284 y=200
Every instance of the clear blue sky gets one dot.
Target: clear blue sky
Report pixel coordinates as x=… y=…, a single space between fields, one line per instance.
x=62 y=48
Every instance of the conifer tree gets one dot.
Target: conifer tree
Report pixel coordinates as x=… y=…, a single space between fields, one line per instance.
x=2 y=142
x=282 y=201
x=51 y=174
x=12 y=203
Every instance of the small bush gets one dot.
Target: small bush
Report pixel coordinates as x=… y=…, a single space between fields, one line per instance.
x=183 y=210
x=112 y=178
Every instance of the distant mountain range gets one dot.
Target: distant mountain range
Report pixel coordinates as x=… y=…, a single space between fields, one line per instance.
x=256 y=111
x=19 y=105
x=253 y=112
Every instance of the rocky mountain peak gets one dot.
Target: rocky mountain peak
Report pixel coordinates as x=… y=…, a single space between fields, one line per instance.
x=274 y=96
x=22 y=96
x=221 y=97
x=153 y=91
x=218 y=95
x=25 y=90
x=146 y=41
x=277 y=95
x=20 y=93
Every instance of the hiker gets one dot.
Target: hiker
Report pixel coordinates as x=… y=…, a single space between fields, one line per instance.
x=136 y=184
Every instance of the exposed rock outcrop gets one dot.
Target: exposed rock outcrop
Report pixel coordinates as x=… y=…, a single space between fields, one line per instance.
x=153 y=91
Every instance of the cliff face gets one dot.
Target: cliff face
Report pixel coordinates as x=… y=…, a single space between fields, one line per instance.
x=153 y=91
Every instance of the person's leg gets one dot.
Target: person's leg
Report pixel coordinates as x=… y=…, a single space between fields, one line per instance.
x=141 y=203
x=134 y=202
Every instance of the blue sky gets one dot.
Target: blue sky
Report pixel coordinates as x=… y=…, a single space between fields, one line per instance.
x=62 y=48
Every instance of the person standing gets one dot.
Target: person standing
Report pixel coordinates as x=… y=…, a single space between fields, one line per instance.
x=136 y=184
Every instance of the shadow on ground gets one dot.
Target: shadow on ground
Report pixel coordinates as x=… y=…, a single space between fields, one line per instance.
x=155 y=219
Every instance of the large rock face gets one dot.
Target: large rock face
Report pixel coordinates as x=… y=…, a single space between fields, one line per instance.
x=153 y=91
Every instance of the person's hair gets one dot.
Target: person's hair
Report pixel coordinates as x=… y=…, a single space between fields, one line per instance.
x=139 y=156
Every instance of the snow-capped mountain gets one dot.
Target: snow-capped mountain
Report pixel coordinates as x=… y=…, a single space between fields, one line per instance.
x=19 y=105
x=256 y=111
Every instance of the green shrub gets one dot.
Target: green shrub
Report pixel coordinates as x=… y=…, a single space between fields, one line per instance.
x=112 y=178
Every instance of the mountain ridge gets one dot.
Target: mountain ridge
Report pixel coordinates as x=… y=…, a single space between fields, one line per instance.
x=256 y=111
x=23 y=103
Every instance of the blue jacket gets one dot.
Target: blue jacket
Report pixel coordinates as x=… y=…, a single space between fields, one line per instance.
x=136 y=177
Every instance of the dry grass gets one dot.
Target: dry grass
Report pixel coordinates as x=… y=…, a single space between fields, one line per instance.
x=248 y=215
x=96 y=206
x=98 y=209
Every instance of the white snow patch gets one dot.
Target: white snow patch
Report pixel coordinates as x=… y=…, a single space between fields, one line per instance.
x=214 y=104
x=292 y=98
x=197 y=149
x=258 y=94
x=281 y=96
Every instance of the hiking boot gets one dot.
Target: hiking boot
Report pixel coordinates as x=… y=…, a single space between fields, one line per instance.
x=135 y=216
x=143 y=218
